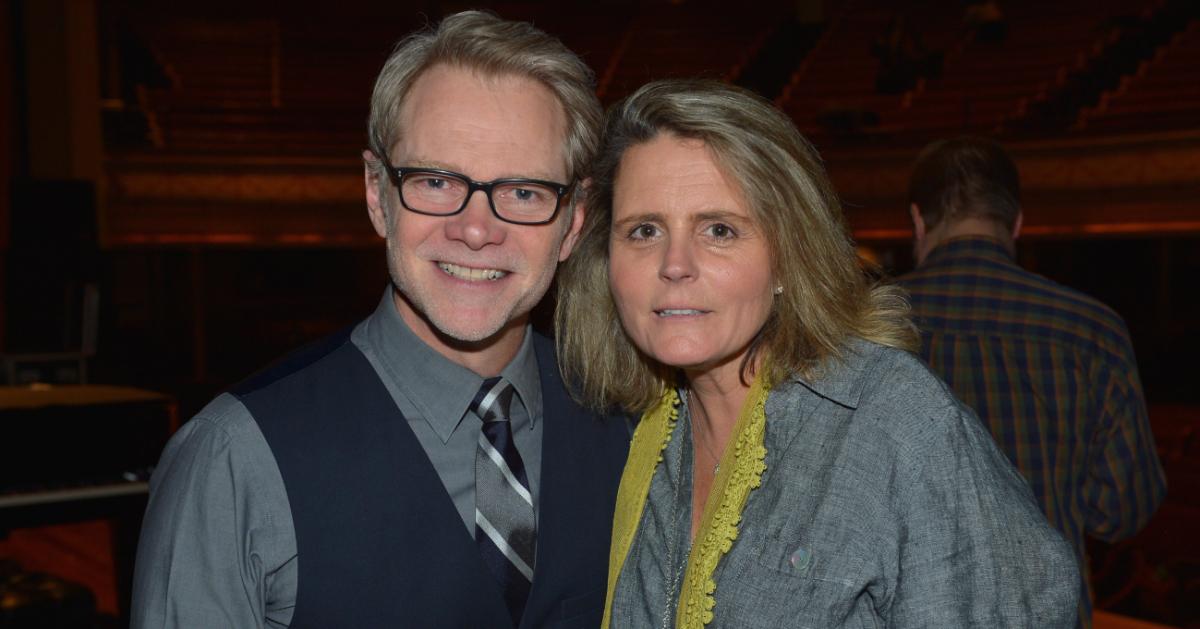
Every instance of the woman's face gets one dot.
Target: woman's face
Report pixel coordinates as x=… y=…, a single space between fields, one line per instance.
x=689 y=268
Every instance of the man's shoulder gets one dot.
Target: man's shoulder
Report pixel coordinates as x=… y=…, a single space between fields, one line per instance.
x=224 y=415
x=296 y=361
x=222 y=438
x=1034 y=306
x=1072 y=307
x=1072 y=300
x=217 y=429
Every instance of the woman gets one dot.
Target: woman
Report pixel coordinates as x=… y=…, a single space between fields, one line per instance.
x=795 y=465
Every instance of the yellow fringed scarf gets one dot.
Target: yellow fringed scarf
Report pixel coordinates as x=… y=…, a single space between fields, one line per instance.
x=740 y=471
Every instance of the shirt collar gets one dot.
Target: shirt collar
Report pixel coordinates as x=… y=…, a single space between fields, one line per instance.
x=440 y=389
x=522 y=372
x=968 y=247
x=841 y=379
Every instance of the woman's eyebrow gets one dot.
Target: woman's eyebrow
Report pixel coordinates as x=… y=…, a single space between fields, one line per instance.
x=699 y=217
x=721 y=215
x=645 y=217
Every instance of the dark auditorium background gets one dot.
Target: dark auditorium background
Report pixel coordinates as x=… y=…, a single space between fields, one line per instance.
x=181 y=202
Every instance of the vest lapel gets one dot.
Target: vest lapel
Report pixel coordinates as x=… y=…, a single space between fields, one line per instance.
x=379 y=540
x=582 y=457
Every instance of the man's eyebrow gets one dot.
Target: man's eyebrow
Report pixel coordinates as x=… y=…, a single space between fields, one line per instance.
x=435 y=165
x=424 y=163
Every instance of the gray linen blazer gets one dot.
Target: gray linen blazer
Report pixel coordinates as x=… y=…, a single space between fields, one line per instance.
x=885 y=503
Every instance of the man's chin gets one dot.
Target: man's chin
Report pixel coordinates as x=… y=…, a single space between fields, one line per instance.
x=467 y=335
x=466 y=328
x=463 y=330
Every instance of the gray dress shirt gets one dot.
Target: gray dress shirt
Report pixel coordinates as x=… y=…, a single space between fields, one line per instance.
x=884 y=503
x=218 y=547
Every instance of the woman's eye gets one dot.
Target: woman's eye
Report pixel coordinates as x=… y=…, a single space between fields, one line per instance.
x=643 y=232
x=721 y=230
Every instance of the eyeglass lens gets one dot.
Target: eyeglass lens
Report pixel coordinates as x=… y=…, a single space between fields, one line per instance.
x=437 y=193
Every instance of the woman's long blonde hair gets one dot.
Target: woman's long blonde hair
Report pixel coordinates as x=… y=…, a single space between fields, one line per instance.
x=827 y=297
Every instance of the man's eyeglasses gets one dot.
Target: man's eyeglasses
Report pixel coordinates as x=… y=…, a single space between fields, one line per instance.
x=444 y=193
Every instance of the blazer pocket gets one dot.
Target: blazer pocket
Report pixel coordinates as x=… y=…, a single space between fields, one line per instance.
x=585 y=610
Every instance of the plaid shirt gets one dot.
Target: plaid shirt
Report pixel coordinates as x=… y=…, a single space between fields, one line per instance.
x=1051 y=372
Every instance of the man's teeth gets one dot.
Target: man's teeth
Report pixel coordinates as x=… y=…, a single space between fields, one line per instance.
x=672 y=312
x=468 y=273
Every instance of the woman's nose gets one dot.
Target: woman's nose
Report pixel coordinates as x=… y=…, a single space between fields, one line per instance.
x=679 y=261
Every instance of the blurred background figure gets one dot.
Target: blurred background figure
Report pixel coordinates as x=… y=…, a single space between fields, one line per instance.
x=1050 y=370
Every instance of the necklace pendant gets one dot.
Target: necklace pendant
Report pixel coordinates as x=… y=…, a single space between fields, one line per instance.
x=716 y=468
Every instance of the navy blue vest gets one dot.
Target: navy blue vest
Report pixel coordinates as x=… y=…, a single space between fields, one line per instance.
x=380 y=543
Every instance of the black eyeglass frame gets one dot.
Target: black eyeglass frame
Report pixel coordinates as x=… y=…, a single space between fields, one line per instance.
x=397 y=174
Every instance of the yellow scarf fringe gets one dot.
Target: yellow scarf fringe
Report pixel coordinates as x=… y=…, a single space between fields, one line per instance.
x=740 y=472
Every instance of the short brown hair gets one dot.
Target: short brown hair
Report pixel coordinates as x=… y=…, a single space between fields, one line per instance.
x=965 y=177
x=483 y=42
x=826 y=298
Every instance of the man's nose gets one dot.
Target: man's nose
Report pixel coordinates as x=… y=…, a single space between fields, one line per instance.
x=476 y=226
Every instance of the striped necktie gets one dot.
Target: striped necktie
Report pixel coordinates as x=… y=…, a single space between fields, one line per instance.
x=504 y=520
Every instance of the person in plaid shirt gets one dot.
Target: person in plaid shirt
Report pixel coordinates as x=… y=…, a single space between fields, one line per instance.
x=1049 y=370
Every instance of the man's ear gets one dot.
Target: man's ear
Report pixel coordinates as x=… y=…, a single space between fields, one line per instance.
x=578 y=214
x=375 y=209
x=1016 y=230
x=918 y=222
x=921 y=239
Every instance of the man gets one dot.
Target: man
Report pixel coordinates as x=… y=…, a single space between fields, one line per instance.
x=1048 y=369
x=386 y=478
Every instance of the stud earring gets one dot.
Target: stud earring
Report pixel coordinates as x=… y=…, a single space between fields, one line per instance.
x=779 y=289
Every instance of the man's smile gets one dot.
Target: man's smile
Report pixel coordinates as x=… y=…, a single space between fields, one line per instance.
x=471 y=274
